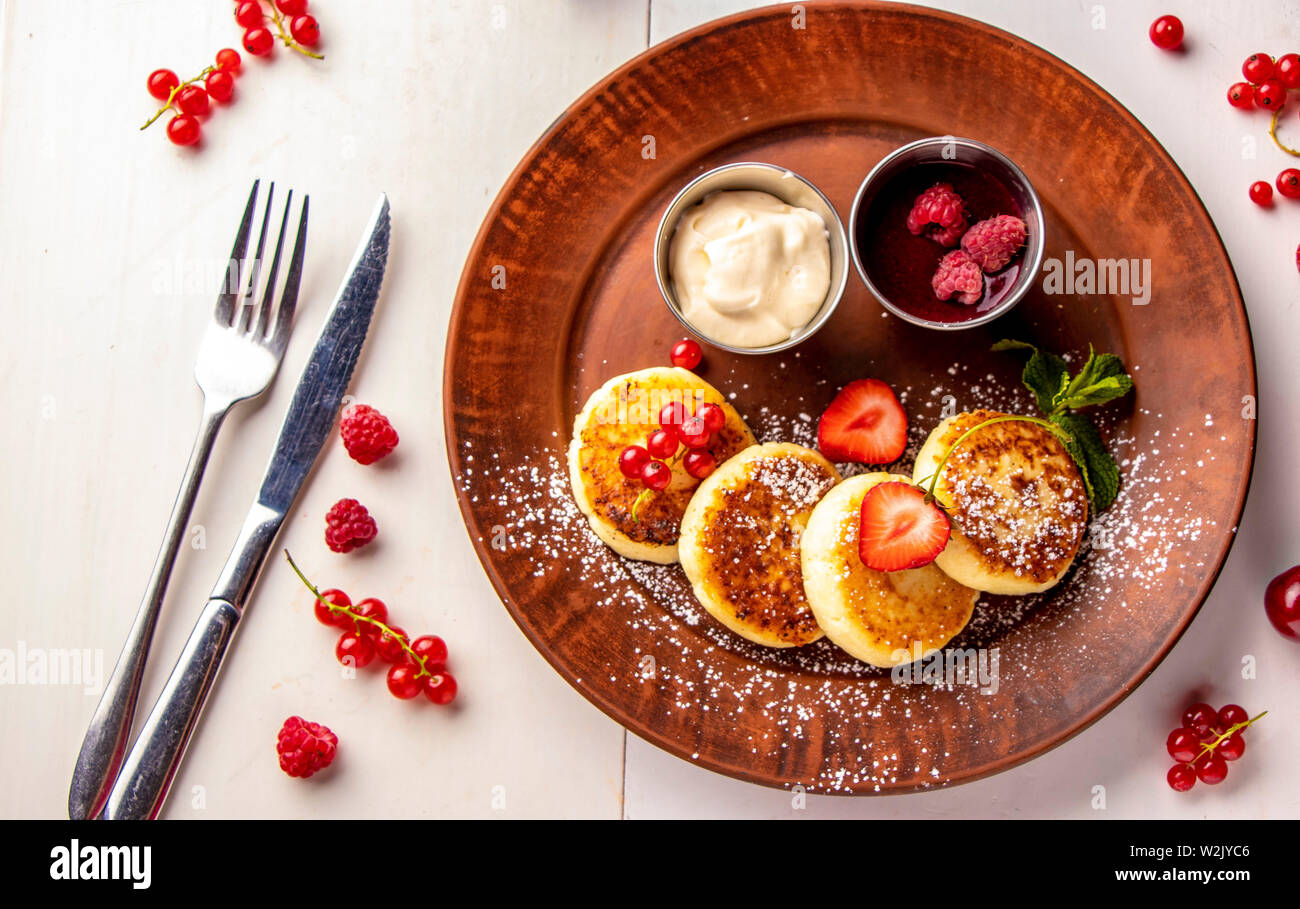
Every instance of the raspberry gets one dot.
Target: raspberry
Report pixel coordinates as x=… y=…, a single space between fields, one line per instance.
x=367 y=434
x=304 y=747
x=938 y=212
x=958 y=274
x=348 y=525
x=992 y=243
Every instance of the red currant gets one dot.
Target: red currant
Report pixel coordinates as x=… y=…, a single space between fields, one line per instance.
x=1241 y=95
x=402 y=681
x=672 y=414
x=389 y=646
x=1232 y=748
x=1183 y=745
x=183 y=130
x=433 y=650
x=372 y=609
x=258 y=41
x=656 y=475
x=220 y=85
x=686 y=354
x=1181 y=777
x=1257 y=68
x=291 y=7
x=661 y=443
x=192 y=100
x=1261 y=192
x=1287 y=70
x=1232 y=714
x=713 y=416
x=694 y=432
x=249 y=14
x=1166 y=32
x=305 y=30
x=440 y=688
x=355 y=650
x=699 y=463
x=1282 y=596
x=1288 y=183
x=228 y=60
x=1212 y=770
x=1200 y=717
x=161 y=82
x=327 y=616
x=1270 y=94
x=631 y=460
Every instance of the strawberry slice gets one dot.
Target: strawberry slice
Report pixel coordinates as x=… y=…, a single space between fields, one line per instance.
x=899 y=528
x=865 y=423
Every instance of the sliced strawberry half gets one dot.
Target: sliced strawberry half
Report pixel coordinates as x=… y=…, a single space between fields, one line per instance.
x=865 y=423
x=899 y=528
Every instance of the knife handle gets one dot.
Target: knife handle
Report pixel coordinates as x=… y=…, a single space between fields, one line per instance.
x=148 y=770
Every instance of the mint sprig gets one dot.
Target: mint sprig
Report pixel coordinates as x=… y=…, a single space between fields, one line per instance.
x=1059 y=395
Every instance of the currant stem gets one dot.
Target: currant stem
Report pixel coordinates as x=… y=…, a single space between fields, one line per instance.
x=636 y=506
x=1272 y=132
x=934 y=479
x=347 y=611
x=171 y=97
x=1208 y=747
x=287 y=38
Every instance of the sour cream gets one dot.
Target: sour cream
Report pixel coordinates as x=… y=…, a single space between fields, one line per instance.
x=747 y=269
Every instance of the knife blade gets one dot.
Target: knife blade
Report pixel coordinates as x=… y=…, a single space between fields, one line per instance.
x=149 y=768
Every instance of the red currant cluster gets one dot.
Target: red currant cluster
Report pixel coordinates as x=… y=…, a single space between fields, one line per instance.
x=189 y=99
x=1204 y=744
x=1267 y=82
x=417 y=665
x=650 y=463
x=301 y=32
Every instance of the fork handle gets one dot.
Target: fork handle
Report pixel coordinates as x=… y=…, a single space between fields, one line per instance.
x=105 y=741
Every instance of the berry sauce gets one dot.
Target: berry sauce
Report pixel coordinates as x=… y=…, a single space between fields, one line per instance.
x=901 y=264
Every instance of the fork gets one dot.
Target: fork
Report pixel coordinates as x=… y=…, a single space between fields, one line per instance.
x=239 y=356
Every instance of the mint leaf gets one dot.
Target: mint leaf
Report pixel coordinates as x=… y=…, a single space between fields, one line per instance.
x=1045 y=374
x=1101 y=379
x=1100 y=473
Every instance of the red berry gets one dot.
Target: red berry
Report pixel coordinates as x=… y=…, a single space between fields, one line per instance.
x=1270 y=94
x=440 y=688
x=1181 y=777
x=662 y=443
x=305 y=748
x=1212 y=770
x=1287 y=70
x=1241 y=95
x=348 y=525
x=353 y=649
x=631 y=460
x=1200 y=717
x=228 y=60
x=940 y=214
x=694 y=432
x=1232 y=714
x=1261 y=193
x=699 y=463
x=389 y=646
x=183 y=130
x=220 y=85
x=1257 y=68
x=367 y=434
x=686 y=353
x=433 y=650
x=898 y=528
x=1167 y=32
x=865 y=423
x=1183 y=745
x=656 y=475
x=249 y=14
x=1232 y=748
x=672 y=414
x=1288 y=183
x=161 y=82
x=327 y=616
x=305 y=30
x=291 y=7
x=372 y=609
x=192 y=100
x=1282 y=596
x=258 y=42
x=713 y=416
x=402 y=681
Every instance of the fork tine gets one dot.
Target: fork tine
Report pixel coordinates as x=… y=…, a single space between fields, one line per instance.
x=268 y=295
x=289 y=301
x=232 y=286
x=244 y=318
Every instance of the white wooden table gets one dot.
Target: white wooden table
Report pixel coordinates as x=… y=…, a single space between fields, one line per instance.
x=109 y=237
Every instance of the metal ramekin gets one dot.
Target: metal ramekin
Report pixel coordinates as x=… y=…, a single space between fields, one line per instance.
x=791 y=189
x=948 y=150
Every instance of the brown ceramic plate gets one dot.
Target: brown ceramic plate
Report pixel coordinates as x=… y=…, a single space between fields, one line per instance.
x=559 y=294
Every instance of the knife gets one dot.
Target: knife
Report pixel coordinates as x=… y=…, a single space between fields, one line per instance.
x=149 y=768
